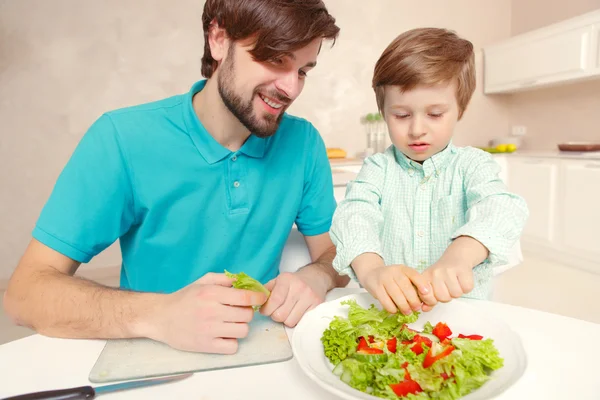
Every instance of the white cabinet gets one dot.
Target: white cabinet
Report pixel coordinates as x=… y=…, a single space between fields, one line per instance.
x=560 y=53
x=563 y=197
x=581 y=205
x=535 y=180
x=596 y=47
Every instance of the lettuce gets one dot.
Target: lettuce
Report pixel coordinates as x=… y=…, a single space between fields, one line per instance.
x=450 y=377
x=244 y=281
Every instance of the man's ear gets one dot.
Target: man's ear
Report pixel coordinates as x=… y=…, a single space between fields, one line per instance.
x=218 y=41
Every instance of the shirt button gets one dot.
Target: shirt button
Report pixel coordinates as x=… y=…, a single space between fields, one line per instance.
x=234 y=158
x=236 y=184
x=420 y=233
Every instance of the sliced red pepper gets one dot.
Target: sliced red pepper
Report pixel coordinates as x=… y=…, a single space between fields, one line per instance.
x=370 y=350
x=423 y=339
x=430 y=359
x=371 y=339
x=417 y=348
x=472 y=337
x=362 y=344
x=441 y=330
x=445 y=376
x=407 y=386
x=392 y=344
x=446 y=342
x=418 y=340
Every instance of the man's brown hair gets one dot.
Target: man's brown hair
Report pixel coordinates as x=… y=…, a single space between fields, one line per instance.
x=278 y=27
x=427 y=56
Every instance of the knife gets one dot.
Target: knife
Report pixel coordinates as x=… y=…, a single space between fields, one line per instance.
x=89 y=392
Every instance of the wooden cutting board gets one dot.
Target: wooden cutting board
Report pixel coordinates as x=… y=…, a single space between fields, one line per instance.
x=127 y=359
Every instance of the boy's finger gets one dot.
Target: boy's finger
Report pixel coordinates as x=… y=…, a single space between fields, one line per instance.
x=424 y=288
x=386 y=301
x=420 y=281
x=441 y=291
x=466 y=281
x=426 y=308
x=454 y=288
x=410 y=293
x=397 y=297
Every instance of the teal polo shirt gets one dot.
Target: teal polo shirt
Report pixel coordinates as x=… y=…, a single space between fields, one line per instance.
x=181 y=204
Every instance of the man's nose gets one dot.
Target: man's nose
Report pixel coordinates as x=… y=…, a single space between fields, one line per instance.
x=289 y=85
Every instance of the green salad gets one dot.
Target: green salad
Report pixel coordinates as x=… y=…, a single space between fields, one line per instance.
x=378 y=353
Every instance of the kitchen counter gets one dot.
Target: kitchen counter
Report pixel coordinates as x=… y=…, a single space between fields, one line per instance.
x=595 y=155
x=557 y=368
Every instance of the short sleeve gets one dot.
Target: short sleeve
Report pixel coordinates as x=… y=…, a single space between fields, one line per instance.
x=92 y=203
x=318 y=202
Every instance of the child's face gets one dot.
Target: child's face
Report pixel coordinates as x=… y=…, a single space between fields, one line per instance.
x=421 y=121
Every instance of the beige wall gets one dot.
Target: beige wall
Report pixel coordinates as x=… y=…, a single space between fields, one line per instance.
x=64 y=62
x=563 y=113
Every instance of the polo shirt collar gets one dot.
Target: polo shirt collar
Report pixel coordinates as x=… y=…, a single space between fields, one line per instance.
x=211 y=150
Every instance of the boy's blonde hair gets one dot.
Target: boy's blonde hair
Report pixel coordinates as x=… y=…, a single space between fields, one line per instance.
x=427 y=56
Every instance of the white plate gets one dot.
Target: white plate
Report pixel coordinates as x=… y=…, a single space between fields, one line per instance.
x=460 y=317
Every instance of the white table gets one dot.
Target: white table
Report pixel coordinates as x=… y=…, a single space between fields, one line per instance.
x=563 y=362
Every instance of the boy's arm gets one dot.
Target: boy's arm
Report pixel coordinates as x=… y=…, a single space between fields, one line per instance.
x=495 y=217
x=358 y=219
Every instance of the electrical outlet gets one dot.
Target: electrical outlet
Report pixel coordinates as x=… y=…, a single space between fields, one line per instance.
x=519 y=130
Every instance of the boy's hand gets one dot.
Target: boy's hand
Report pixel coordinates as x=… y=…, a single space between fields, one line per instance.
x=395 y=286
x=449 y=281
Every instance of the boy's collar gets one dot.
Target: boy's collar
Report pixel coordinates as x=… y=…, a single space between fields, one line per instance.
x=433 y=165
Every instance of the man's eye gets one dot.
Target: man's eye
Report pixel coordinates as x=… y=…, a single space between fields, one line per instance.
x=303 y=74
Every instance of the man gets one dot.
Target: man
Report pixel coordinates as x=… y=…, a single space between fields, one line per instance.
x=191 y=185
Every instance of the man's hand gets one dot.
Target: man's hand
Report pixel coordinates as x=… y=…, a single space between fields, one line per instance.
x=207 y=316
x=293 y=294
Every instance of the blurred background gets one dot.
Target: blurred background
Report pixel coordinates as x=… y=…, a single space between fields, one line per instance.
x=65 y=62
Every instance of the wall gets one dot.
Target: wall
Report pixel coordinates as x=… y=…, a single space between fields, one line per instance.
x=563 y=113
x=64 y=62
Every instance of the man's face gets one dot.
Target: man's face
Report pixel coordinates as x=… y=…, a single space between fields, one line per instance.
x=421 y=121
x=258 y=93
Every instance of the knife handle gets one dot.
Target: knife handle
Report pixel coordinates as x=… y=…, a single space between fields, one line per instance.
x=76 y=393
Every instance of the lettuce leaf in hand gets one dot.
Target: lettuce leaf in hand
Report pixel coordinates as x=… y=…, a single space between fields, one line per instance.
x=242 y=280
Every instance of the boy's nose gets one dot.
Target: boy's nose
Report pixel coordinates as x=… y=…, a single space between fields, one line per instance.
x=417 y=128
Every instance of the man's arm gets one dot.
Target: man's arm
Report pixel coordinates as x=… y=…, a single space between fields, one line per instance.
x=322 y=252
x=206 y=316
x=44 y=295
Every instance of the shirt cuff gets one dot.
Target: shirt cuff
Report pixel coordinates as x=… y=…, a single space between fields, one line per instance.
x=61 y=246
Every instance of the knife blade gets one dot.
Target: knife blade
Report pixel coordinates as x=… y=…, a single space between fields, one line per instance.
x=89 y=392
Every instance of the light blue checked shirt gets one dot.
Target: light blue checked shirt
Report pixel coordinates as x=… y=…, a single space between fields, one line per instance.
x=409 y=213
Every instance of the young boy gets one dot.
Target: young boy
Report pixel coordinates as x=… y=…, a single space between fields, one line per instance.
x=425 y=221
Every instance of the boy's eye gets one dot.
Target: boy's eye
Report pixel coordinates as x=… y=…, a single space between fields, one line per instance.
x=435 y=115
x=277 y=61
x=402 y=116
x=303 y=74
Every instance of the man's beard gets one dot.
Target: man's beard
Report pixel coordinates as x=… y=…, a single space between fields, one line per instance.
x=244 y=111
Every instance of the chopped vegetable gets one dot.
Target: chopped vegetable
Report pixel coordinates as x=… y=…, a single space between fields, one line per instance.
x=378 y=353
